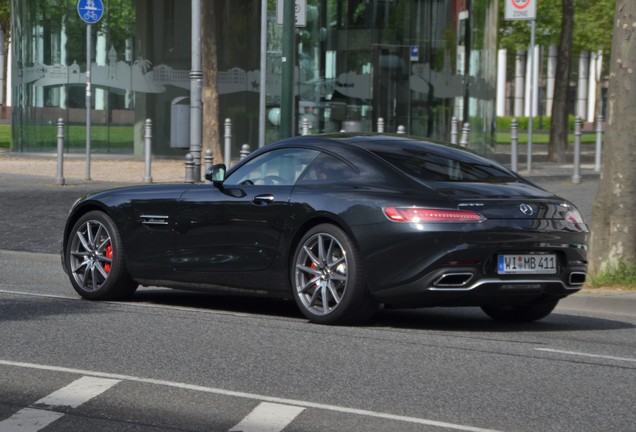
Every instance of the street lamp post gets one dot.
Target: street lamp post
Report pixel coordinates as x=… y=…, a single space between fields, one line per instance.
x=196 y=90
x=287 y=60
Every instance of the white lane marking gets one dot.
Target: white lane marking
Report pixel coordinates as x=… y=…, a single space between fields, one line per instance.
x=55 y=296
x=78 y=392
x=134 y=304
x=627 y=359
x=73 y=395
x=268 y=417
x=252 y=396
x=29 y=420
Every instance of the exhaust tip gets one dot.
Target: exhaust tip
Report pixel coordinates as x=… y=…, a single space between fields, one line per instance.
x=577 y=278
x=449 y=280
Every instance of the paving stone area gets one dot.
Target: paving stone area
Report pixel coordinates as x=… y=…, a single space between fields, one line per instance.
x=34 y=211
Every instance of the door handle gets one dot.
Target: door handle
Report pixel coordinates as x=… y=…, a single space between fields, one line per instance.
x=263 y=199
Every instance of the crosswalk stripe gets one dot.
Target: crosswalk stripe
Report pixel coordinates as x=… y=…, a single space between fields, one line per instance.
x=73 y=395
x=268 y=417
x=29 y=420
x=253 y=396
x=78 y=392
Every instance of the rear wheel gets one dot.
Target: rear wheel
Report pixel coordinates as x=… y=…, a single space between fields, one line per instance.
x=328 y=280
x=520 y=313
x=96 y=259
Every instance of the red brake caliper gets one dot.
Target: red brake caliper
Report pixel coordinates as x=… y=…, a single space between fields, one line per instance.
x=109 y=255
x=314 y=266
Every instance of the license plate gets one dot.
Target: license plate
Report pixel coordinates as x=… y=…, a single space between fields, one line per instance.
x=527 y=264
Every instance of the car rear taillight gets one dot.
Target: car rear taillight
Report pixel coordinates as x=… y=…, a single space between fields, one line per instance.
x=423 y=215
x=575 y=218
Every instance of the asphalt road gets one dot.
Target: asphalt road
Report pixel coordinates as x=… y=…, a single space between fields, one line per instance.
x=174 y=361
x=168 y=361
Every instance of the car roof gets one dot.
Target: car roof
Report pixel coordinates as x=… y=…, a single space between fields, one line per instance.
x=387 y=143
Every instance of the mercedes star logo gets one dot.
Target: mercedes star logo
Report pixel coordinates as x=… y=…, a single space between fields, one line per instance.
x=526 y=209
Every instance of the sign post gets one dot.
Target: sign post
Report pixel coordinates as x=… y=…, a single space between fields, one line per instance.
x=526 y=10
x=90 y=11
x=300 y=12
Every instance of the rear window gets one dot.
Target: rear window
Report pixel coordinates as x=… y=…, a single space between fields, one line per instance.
x=431 y=166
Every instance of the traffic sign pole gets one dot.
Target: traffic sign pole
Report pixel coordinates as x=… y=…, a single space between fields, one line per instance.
x=88 y=101
x=526 y=10
x=90 y=11
x=532 y=90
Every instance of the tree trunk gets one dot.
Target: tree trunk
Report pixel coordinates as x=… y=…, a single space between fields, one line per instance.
x=559 y=126
x=613 y=223
x=210 y=96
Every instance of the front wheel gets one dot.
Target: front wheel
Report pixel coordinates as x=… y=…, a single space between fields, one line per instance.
x=327 y=278
x=96 y=259
x=520 y=313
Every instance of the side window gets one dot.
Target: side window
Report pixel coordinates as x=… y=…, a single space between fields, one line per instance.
x=327 y=169
x=278 y=167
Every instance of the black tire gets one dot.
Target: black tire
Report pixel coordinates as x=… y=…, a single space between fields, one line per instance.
x=520 y=313
x=96 y=259
x=327 y=278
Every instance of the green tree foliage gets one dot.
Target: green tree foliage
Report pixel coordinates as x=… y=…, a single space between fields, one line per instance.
x=591 y=31
x=120 y=16
x=592 y=26
x=5 y=15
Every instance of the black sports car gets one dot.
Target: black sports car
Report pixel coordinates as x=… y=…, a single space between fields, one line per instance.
x=341 y=224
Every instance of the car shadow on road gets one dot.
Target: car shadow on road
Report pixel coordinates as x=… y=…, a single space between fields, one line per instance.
x=42 y=308
x=218 y=302
x=443 y=319
x=474 y=320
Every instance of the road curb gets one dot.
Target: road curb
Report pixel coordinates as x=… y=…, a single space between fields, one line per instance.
x=610 y=303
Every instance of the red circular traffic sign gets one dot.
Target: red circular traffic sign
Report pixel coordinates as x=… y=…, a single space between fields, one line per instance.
x=521 y=4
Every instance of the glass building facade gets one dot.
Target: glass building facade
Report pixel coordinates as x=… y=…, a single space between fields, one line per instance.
x=412 y=63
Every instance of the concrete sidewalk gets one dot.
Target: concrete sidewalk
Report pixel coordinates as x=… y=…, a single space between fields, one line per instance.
x=34 y=207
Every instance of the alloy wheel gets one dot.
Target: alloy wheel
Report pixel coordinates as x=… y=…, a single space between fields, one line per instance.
x=91 y=254
x=321 y=274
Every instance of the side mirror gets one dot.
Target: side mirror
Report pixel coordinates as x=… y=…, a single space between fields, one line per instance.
x=216 y=174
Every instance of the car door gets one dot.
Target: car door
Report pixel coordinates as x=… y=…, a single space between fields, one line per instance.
x=147 y=216
x=236 y=226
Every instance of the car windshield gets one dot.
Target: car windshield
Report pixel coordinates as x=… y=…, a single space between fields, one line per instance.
x=431 y=166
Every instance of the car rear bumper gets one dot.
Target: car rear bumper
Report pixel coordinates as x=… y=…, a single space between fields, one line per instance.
x=449 y=287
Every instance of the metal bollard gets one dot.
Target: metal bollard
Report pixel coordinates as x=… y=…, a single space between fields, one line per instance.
x=401 y=129
x=514 y=145
x=189 y=168
x=599 y=141
x=60 y=153
x=465 y=131
x=305 y=126
x=380 y=125
x=148 y=149
x=576 y=177
x=228 y=142
x=453 y=135
x=245 y=151
x=208 y=159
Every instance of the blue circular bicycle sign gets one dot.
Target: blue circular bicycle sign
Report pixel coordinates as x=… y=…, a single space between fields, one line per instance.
x=90 y=11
